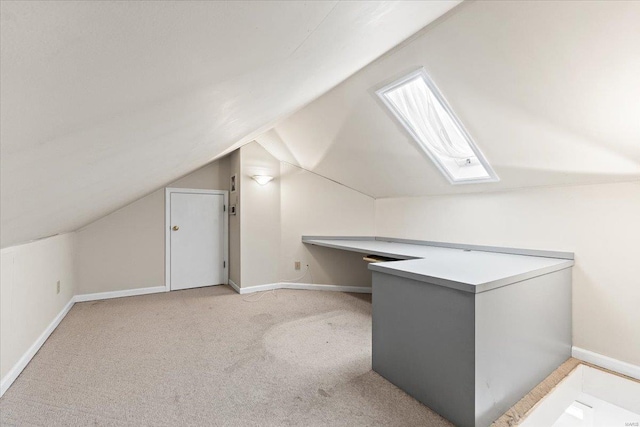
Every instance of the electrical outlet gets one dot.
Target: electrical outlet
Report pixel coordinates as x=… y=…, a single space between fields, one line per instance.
x=58 y=287
x=297 y=264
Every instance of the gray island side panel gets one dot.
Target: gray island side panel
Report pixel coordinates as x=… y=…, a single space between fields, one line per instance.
x=423 y=342
x=523 y=333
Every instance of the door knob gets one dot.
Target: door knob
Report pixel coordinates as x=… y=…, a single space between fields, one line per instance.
x=176 y=228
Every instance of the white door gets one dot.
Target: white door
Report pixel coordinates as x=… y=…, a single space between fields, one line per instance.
x=196 y=240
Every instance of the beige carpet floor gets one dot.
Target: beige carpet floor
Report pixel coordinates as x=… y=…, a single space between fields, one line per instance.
x=212 y=357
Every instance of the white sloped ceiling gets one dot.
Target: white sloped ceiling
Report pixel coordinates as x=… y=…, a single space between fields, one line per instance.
x=103 y=102
x=550 y=91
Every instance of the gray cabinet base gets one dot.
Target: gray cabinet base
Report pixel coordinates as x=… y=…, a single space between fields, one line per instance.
x=469 y=356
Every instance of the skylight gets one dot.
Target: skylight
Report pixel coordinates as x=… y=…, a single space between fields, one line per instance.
x=420 y=107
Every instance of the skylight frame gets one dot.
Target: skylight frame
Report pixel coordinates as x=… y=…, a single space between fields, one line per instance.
x=422 y=73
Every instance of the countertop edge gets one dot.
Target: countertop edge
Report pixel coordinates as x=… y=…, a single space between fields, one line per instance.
x=481 y=248
x=472 y=288
x=564 y=262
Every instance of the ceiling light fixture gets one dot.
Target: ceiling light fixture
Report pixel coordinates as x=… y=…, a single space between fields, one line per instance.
x=262 y=179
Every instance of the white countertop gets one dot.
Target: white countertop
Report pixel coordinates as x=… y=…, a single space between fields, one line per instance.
x=466 y=270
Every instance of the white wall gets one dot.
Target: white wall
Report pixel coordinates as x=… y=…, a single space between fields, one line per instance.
x=235 y=233
x=125 y=250
x=314 y=205
x=28 y=298
x=297 y=202
x=600 y=223
x=260 y=217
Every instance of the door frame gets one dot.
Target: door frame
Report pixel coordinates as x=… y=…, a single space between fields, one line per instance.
x=167 y=232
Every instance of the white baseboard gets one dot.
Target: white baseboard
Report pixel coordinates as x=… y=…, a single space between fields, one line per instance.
x=14 y=372
x=119 y=294
x=336 y=288
x=303 y=286
x=606 y=362
x=234 y=286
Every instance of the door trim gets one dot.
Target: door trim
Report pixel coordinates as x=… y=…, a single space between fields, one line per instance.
x=167 y=225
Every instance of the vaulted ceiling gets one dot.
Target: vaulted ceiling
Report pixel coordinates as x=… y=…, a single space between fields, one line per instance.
x=550 y=92
x=103 y=102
